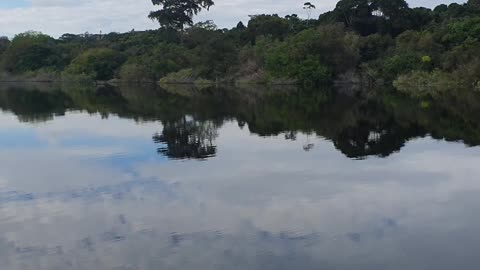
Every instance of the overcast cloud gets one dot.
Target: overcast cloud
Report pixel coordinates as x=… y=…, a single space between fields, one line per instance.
x=55 y=17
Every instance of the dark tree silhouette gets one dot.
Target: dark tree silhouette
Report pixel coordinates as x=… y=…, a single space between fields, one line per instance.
x=379 y=140
x=308 y=7
x=475 y=4
x=178 y=13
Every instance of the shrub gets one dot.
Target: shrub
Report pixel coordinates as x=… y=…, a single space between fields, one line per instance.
x=401 y=64
x=315 y=54
x=100 y=64
x=134 y=71
x=182 y=76
x=311 y=70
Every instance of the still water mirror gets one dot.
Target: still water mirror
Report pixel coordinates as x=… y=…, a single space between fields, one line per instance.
x=142 y=177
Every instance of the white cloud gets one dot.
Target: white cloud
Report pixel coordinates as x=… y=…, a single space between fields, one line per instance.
x=56 y=17
x=55 y=3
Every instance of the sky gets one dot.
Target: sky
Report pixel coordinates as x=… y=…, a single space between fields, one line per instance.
x=56 y=17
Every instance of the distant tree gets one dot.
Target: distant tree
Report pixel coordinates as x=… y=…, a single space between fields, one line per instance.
x=100 y=63
x=309 y=7
x=267 y=25
x=208 y=25
x=456 y=10
x=475 y=4
x=295 y=24
x=241 y=26
x=350 y=10
x=178 y=13
x=314 y=55
x=440 y=9
x=30 y=51
x=377 y=16
x=390 y=8
x=356 y=15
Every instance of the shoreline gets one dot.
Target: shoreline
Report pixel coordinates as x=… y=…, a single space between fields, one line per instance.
x=113 y=82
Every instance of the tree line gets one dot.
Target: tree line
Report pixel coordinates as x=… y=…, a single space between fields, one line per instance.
x=420 y=51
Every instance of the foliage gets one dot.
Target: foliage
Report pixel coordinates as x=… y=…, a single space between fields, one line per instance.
x=267 y=25
x=401 y=64
x=101 y=63
x=136 y=71
x=178 y=13
x=461 y=30
x=30 y=51
x=376 y=41
x=314 y=54
x=182 y=76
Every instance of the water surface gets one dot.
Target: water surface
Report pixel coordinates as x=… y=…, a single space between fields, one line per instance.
x=138 y=177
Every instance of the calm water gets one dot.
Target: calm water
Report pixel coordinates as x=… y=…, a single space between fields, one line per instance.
x=204 y=179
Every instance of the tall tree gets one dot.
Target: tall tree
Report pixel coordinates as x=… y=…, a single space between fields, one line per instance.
x=309 y=7
x=178 y=13
x=349 y=11
x=390 y=8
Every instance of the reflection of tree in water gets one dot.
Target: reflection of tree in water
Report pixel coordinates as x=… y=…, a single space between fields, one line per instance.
x=308 y=146
x=367 y=140
x=187 y=139
x=376 y=125
x=34 y=105
x=291 y=135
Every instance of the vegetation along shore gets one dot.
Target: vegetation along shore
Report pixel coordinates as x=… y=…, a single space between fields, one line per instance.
x=419 y=51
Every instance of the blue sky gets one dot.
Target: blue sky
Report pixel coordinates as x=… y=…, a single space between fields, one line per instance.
x=55 y=17
x=13 y=3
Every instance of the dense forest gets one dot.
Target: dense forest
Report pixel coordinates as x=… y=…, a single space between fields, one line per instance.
x=420 y=51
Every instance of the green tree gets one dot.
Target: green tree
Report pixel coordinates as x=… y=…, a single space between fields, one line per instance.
x=31 y=51
x=315 y=54
x=475 y=4
x=455 y=11
x=178 y=13
x=401 y=64
x=378 y=16
x=267 y=25
x=390 y=8
x=440 y=9
x=100 y=64
x=356 y=14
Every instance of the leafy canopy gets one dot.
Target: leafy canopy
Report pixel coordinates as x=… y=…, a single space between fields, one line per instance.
x=30 y=51
x=99 y=63
x=178 y=13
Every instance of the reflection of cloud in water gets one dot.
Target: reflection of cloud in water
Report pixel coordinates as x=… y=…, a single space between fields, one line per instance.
x=129 y=190
x=364 y=224
x=123 y=245
x=89 y=197
x=246 y=248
